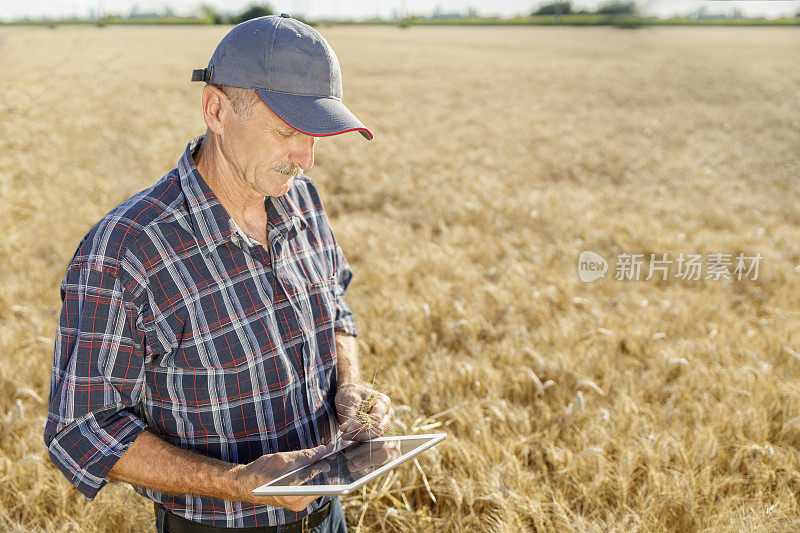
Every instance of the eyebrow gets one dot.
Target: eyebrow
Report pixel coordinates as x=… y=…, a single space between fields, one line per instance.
x=283 y=129
x=288 y=130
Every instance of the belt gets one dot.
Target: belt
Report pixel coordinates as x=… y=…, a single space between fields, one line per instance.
x=176 y=524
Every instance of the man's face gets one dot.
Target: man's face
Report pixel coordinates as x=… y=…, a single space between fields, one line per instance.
x=257 y=145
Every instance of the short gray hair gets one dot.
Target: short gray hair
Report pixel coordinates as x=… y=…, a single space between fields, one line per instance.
x=243 y=100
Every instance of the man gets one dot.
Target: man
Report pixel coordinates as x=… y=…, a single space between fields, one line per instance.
x=205 y=346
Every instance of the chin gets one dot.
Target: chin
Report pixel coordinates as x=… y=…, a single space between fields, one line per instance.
x=279 y=189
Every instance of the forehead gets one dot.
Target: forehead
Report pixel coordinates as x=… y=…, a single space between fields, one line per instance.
x=267 y=116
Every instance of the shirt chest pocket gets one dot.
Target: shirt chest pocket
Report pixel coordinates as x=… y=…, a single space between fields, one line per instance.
x=321 y=296
x=306 y=276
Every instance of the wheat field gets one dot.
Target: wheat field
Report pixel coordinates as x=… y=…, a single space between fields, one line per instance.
x=500 y=154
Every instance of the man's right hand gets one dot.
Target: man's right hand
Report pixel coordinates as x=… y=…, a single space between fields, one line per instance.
x=154 y=463
x=268 y=467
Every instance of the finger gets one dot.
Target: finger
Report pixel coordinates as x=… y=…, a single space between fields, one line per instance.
x=307 y=501
x=347 y=404
x=354 y=430
x=353 y=433
x=379 y=411
x=351 y=429
x=344 y=427
x=299 y=458
x=361 y=431
x=384 y=414
x=386 y=421
x=367 y=433
x=346 y=413
x=382 y=405
x=295 y=503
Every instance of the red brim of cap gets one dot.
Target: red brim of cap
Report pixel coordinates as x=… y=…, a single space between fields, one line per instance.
x=313 y=115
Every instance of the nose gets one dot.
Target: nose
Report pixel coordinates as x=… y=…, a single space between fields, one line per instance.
x=303 y=150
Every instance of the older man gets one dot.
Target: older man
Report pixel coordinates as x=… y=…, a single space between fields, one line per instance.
x=205 y=346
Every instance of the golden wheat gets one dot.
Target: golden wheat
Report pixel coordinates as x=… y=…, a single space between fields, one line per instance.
x=500 y=154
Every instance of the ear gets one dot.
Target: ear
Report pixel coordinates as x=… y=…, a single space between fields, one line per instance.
x=216 y=107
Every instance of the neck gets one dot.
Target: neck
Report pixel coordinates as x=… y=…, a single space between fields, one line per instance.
x=230 y=188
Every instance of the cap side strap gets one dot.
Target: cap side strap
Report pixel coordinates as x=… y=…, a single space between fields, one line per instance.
x=200 y=74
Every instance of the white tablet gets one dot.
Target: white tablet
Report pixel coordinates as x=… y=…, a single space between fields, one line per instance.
x=350 y=466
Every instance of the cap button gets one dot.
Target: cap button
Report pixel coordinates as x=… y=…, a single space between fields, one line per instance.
x=285 y=15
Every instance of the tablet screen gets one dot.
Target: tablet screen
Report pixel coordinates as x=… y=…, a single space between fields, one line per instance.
x=350 y=467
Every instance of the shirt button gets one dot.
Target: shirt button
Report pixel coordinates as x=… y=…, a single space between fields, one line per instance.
x=285 y=15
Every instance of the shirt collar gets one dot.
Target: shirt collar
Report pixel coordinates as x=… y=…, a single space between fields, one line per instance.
x=212 y=223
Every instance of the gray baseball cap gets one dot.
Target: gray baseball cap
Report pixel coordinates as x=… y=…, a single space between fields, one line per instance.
x=292 y=68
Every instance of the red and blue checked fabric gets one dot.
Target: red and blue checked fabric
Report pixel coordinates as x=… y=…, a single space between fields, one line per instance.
x=172 y=322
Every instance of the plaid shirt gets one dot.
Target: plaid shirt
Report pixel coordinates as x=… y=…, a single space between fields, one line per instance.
x=172 y=321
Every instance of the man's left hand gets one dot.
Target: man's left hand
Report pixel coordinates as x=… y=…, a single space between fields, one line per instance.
x=356 y=427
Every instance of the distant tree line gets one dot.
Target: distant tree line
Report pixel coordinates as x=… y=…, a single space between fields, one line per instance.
x=209 y=15
x=615 y=7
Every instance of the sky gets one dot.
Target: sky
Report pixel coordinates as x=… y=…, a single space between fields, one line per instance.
x=361 y=9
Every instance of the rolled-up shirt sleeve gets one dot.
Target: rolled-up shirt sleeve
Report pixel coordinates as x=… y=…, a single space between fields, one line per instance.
x=97 y=377
x=345 y=321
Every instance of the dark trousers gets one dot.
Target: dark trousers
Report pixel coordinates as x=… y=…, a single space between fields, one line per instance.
x=334 y=523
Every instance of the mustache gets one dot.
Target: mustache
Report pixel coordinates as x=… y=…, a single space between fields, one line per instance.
x=290 y=169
